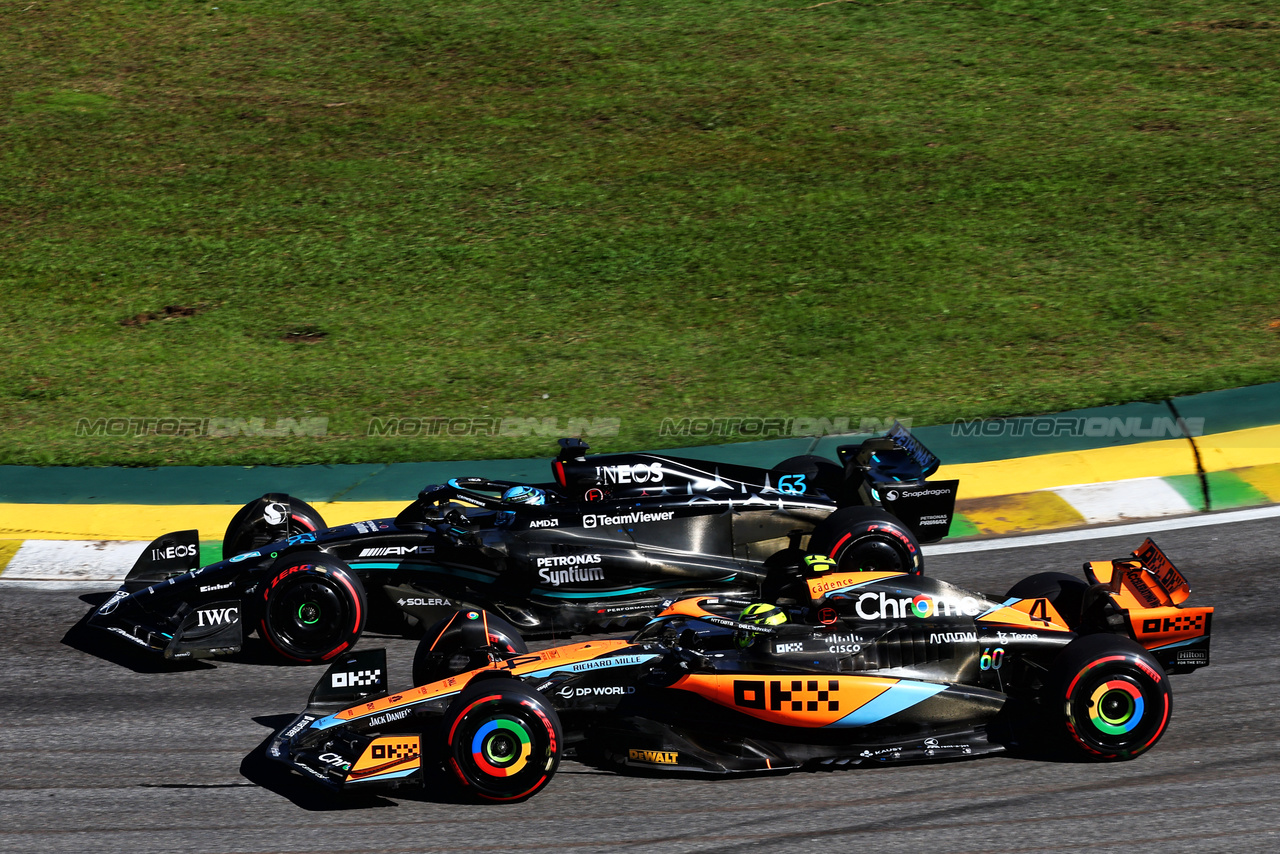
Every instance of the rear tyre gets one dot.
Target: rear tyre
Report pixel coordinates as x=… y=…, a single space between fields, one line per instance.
x=1108 y=698
x=1065 y=592
x=272 y=517
x=502 y=740
x=867 y=539
x=313 y=608
x=462 y=642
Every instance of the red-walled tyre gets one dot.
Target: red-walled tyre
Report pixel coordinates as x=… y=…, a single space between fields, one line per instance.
x=1108 y=697
x=272 y=517
x=313 y=608
x=867 y=539
x=502 y=740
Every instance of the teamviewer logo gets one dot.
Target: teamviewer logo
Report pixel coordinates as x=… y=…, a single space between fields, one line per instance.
x=588 y=521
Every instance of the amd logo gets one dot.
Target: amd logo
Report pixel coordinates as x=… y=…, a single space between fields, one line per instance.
x=217 y=616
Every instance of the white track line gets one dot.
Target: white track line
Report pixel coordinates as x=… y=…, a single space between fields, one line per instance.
x=1137 y=528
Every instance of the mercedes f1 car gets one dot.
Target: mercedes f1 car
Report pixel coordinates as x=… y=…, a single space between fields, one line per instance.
x=868 y=668
x=606 y=542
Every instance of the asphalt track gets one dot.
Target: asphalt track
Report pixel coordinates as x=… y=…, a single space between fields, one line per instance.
x=99 y=755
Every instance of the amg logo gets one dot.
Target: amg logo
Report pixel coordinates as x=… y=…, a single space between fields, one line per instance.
x=654 y=757
x=544 y=523
x=356 y=678
x=217 y=616
x=397 y=551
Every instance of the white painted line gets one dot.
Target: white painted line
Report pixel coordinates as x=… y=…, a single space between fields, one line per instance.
x=72 y=560
x=1137 y=529
x=1125 y=500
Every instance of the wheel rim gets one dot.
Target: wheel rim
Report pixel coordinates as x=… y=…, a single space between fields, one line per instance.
x=1115 y=709
x=503 y=748
x=309 y=618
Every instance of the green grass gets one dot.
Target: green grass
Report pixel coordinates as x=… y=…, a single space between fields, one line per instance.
x=632 y=210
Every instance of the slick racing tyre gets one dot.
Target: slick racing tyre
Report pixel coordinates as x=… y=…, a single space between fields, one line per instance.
x=502 y=740
x=867 y=539
x=272 y=517
x=462 y=642
x=313 y=607
x=1065 y=592
x=1108 y=698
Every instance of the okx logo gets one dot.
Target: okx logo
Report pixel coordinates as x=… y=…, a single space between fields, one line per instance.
x=796 y=695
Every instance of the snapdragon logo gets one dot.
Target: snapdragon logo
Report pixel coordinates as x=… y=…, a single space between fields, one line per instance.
x=878 y=606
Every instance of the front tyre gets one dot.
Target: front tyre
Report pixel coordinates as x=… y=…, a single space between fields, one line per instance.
x=502 y=740
x=463 y=642
x=313 y=608
x=867 y=539
x=1108 y=697
x=272 y=517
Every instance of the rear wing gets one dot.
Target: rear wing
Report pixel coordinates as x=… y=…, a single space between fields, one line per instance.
x=1150 y=592
x=892 y=471
x=1148 y=580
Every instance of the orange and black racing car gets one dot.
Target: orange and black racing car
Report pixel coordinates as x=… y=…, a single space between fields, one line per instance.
x=846 y=668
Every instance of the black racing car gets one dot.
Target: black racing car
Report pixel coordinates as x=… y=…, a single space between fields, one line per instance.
x=865 y=668
x=613 y=536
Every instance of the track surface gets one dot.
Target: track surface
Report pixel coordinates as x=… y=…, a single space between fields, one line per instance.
x=100 y=756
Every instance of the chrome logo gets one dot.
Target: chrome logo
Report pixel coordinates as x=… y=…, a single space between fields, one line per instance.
x=922 y=606
x=1116 y=707
x=501 y=748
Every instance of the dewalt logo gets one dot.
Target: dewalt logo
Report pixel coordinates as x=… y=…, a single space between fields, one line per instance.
x=654 y=757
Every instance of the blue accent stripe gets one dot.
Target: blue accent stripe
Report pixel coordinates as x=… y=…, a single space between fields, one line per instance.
x=1004 y=604
x=1179 y=643
x=445 y=570
x=389 y=775
x=904 y=695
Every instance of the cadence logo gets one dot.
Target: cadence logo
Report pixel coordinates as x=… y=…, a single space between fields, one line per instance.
x=878 y=606
x=591 y=521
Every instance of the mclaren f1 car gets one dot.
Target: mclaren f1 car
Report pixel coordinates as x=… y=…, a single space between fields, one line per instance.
x=861 y=668
x=595 y=550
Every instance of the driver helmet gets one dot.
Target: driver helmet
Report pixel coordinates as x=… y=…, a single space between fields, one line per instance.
x=818 y=563
x=524 y=495
x=760 y=614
